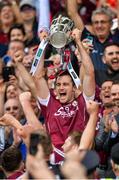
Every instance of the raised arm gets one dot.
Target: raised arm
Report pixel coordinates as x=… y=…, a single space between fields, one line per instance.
x=16 y=11
x=25 y=75
x=41 y=83
x=88 y=77
x=88 y=135
x=72 y=10
x=32 y=119
x=9 y=120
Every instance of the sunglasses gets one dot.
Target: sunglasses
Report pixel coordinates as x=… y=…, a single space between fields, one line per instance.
x=12 y=108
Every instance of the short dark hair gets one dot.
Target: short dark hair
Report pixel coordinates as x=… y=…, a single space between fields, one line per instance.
x=11 y=159
x=115 y=82
x=44 y=140
x=107 y=80
x=115 y=153
x=64 y=73
x=46 y=143
x=16 y=26
x=3 y=4
x=110 y=44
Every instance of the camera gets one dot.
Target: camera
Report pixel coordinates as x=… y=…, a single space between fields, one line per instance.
x=90 y=40
x=7 y=71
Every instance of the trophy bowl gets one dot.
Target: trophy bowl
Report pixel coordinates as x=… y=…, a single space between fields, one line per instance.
x=60 y=31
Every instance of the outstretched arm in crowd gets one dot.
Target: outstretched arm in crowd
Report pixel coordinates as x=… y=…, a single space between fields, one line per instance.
x=32 y=119
x=37 y=166
x=41 y=83
x=88 y=135
x=9 y=120
x=88 y=77
x=72 y=10
x=27 y=78
x=16 y=10
x=22 y=131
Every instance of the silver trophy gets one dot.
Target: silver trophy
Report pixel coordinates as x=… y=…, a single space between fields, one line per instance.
x=60 y=31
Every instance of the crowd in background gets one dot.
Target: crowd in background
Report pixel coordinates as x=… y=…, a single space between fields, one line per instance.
x=49 y=128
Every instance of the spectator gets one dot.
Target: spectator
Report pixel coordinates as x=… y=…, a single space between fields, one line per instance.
x=14 y=46
x=115 y=159
x=7 y=19
x=17 y=32
x=108 y=134
x=111 y=59
x=101 y=25
x=28 y=15
x=12 y=164
x=12 y=91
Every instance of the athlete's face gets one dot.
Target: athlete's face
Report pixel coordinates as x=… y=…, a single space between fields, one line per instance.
x=65 y=89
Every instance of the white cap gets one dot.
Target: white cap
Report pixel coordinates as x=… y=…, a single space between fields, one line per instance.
x=27 y=2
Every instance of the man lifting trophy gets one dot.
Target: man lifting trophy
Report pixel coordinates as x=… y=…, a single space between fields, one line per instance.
x=59 y=37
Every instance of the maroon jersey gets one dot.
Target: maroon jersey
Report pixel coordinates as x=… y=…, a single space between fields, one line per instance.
x=61 y=119
x=15 y=175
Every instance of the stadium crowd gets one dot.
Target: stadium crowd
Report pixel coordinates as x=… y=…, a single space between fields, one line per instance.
x=59 y=98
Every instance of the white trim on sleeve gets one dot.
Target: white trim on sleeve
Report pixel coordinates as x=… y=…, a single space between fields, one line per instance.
x=44 y=101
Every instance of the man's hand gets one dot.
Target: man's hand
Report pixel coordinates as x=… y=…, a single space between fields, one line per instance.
x=13 y=80
x=25 y=96
x=18 y=56
x=9 y=120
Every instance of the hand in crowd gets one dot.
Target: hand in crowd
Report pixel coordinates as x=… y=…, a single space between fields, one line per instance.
x=9 y=120
x=16 y=137
x=110 y=123
x=18 y=56
x=114 y=125
x=13 y=80
x=72 y=169
x=25 y=132
x=37 y=166
x=74 y=155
